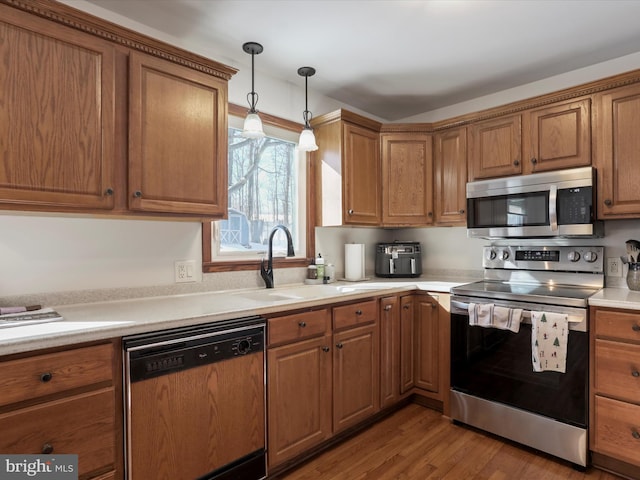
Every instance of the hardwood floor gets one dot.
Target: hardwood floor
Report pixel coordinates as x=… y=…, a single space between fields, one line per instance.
x=417 y=443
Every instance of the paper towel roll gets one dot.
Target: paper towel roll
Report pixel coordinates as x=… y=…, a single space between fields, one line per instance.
x=354 y=261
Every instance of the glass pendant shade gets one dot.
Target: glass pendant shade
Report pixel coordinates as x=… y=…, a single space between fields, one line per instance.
x=307 y=142
x=252 y=126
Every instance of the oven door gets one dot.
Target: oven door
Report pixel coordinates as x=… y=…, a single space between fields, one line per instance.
x=495 y=365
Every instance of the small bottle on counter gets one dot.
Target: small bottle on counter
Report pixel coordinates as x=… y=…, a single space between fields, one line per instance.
x=312 y=272
x=320 y=265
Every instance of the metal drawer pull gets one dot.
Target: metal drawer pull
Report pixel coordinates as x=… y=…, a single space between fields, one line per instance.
x=325 y=349
x=434 y=305
x=47 y=448
x=635 y=435
x=387 y=307
x=358 y=312
x=406 y=307
x=302 y=324
x=46 y=377
x=339 y=345
x=636 y=328
x=635 y=373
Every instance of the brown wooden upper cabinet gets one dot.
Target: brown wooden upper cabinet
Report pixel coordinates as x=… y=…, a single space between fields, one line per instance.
x=177 y=138
x=617 y=152
x=495 y=148
x=451 y=176
x=57 y=109
x=347 y=170
x=557 y=136
x=92 y=124
x=407 y=179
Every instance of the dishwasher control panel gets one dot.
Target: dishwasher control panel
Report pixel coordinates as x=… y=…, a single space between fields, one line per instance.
x=165 y=357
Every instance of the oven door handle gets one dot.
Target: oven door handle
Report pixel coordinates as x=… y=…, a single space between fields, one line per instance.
x=553 y=207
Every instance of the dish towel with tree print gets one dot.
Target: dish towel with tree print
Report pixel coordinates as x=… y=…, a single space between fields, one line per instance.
x=549 y=334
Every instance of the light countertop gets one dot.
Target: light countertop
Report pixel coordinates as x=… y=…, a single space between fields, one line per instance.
x=102 y=320
x=616 y=298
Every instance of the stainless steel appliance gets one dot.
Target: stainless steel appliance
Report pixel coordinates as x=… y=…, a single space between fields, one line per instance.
x=493 y=383
x=551 y=204
x=195 y=402
x=398 y=259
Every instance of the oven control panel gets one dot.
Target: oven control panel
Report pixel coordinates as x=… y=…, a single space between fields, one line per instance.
x=552 y=258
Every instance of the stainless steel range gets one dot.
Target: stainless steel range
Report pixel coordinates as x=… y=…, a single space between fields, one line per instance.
x=505 y=377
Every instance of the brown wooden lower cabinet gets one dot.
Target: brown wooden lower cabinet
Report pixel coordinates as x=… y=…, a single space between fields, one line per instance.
x=389 y=351
x=426 y=337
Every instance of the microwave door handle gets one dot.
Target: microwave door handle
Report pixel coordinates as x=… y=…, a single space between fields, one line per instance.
x=553 y=208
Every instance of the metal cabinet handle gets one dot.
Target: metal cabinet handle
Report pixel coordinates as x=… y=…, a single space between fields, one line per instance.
x=339 y=345
x=434 y=305
x=350 y=211
x=635 y=435
x=47 y=448
x=636 y=328
x=358 y=312
x=406 y=307
x=108 y=192
x=325 y=349
x=516 y=162
x=534 y=160
x=302 y=324
x=387 y=307
x=461 y=211
x=608 y=202
x=635 y=373
x=137 y=194
x=430 y=214
x=46 y=377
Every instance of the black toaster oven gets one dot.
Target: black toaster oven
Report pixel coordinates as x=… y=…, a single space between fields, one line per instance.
x=398 y=259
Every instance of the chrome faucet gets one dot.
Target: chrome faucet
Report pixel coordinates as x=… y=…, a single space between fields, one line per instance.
x=267 y=272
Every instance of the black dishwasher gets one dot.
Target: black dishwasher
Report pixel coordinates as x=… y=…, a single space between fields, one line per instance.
x=195 y=402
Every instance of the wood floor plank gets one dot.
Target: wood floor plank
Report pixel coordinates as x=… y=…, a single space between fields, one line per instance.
x=417 y=443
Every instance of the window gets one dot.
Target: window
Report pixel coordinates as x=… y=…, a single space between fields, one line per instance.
x=267 y=187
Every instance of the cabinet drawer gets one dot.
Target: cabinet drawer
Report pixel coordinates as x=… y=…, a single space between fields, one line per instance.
x=355 y=314
x=617 y=429
x=297 y=327
x=618 y=370
x=46 y=374
x=83 y=425
x=621 y=325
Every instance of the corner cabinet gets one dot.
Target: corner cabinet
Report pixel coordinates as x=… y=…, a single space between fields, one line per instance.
x=616 y=152
x=347 y=170
x=96 y=118
x=177 y=138
x=407 y=179
x=451 y=177
x=56 y=116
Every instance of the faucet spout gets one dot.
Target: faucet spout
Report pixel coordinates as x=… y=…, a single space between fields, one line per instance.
x=266 y=271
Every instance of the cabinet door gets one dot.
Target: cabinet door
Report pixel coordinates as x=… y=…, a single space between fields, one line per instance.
x=56 y=115
x=361 y=180
x=407 y=343
x=177 y=139
x=389 y=351
x=299 y=393
x=558 y=136
x=427 y=344
x=451 y=177
x=407 y=179
x=495 y=148
x=616 y=152
x=356 y=376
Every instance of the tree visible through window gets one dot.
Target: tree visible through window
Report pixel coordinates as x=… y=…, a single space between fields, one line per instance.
x=263 y=180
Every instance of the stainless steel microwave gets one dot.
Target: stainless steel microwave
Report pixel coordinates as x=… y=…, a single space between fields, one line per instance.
x=550 y=204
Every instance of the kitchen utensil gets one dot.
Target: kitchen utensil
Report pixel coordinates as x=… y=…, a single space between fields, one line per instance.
x=633 y=250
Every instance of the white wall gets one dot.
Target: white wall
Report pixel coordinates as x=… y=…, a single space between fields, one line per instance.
x=42 y=253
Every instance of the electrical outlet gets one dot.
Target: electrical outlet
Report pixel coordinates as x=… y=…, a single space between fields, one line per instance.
x=185 y=271
x=614 y=267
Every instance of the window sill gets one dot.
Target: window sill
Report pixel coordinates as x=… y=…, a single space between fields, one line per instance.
x=252 y=264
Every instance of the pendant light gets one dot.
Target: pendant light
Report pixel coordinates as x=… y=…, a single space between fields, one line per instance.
x=252 y=124
x=307 y=142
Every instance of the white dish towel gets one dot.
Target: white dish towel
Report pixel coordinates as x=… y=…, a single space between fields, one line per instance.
x=549 y=334
x=490 y=315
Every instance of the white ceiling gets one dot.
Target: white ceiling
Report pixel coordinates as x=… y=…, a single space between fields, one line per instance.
x=395 y=59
